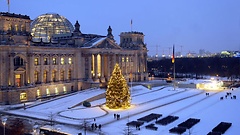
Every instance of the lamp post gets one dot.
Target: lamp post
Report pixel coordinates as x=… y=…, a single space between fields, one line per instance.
x=4 y=121
x=35 y=129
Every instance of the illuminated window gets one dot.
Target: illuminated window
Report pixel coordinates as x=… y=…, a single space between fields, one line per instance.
x=9 y=27
x=122 y=59
x=56 y=91
x=54 y=75
x=62 y=75
x=99 y=65
x=69 y=74
x=127 y=59
x=36 y=76
x=22 y=28
x=93 y=65
x=54 y=61
x=16 y=27
x=38 y=93
x=45 y=61
x=47 y=92
x=62 y=61
x=69 y=60
x=64 y=89
x=18 y=80
x=36 y=62
x=45 y=76
x=23 y=96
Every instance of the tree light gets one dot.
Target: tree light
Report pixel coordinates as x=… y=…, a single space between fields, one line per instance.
x=117 y=93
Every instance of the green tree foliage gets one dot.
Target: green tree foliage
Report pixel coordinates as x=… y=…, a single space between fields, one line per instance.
x=117 y=94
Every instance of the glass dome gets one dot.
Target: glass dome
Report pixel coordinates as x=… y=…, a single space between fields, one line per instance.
x=47 y=25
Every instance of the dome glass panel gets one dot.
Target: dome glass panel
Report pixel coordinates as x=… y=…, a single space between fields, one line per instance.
x=47 y=25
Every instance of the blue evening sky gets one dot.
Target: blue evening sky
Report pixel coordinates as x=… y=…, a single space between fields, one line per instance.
x=213 y=25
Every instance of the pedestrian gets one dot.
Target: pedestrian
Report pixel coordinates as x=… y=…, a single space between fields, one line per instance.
x=92 y=126
x=99 y=126
x=114 y=115
x=118 y=116
x=96 y=126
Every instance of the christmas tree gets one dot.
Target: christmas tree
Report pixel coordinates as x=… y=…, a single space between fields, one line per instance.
x=117 y=94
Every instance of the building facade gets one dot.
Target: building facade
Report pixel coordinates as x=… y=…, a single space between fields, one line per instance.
x=49 y=57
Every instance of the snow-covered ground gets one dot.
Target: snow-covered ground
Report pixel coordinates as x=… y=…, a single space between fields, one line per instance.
x=184 y=103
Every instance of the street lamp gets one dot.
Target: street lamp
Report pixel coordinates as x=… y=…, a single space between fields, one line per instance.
x=35 y=129
x=4 y=121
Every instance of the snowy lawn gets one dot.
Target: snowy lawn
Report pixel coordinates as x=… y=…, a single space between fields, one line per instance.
x=184 y=103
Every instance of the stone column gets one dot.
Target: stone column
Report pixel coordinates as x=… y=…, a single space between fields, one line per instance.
x=145 y=62
x=11 y=71
x=1 y=70
x=120 y=61
x=125 y=65
x=66 y=68
x=31 y=70
x=80 y=65
x=89 y=56
x=135 y=67
x=95 y=70
x=58 y=68
x=108 y=66
x=49 y=75
x=41 y=69
x=102 y=68
x=114 y=60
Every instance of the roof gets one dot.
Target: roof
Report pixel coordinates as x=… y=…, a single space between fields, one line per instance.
x=93 y=42
x=14 y=15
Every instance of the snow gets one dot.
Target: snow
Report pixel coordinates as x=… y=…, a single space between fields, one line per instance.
x=182 y=102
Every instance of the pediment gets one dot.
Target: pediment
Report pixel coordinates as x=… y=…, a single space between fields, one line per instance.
x=19 y=69
x=107 y=44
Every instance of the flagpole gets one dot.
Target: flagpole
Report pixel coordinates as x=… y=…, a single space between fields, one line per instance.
x=173 y=61
x=131 y=24
x=174 y=76
x=8 y=2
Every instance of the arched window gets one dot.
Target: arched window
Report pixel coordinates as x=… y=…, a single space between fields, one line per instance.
x=62 y=75
x=45 y=76
x=69 y=74
x=18 y=61
x=54 y=75
x=36 y=76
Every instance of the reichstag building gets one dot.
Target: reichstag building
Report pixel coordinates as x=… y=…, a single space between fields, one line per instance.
x=48 y=56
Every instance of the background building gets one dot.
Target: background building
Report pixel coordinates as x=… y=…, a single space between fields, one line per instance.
x=49 y=57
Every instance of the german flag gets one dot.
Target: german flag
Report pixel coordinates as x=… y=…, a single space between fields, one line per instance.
x=173 y=57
